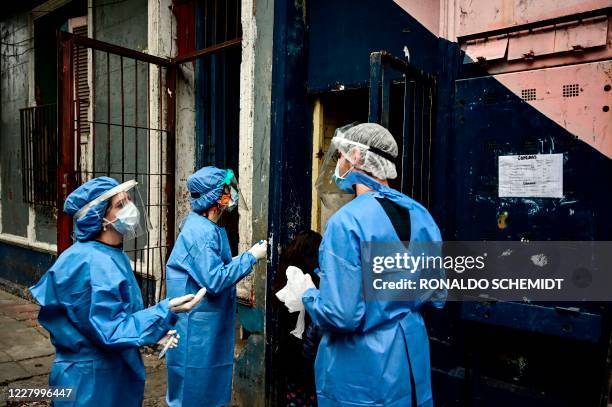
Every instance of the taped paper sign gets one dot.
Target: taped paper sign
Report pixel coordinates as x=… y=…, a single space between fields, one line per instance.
x=531 y=176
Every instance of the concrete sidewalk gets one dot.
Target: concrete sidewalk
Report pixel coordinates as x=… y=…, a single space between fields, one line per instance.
x=26 y=354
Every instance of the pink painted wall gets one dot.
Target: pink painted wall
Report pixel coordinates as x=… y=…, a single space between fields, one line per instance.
x=477 y=16
x=577 y=97
x=567 y=66
x=426 y=12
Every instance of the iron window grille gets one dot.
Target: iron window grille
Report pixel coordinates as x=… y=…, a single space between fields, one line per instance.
x=39 y=154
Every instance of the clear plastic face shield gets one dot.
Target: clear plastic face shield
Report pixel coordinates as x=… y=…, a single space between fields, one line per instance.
x=341 y=157
x=125 y=210
x=231 y=197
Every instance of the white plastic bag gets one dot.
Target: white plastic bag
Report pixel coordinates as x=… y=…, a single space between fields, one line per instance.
x=291 y=295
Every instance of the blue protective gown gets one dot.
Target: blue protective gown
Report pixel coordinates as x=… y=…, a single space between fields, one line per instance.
x=368 y=348
x=200 y=368
x=92 y=307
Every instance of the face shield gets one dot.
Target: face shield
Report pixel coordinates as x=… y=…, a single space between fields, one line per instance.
x=125 y=210
x=231 y=198
x=341 y=157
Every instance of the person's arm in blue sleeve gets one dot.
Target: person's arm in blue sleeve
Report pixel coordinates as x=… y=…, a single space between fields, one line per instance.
x=338 y=303
x=111 y=324
x=207 y=268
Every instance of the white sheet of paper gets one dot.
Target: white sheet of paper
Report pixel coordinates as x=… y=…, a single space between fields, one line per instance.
x=531 y=176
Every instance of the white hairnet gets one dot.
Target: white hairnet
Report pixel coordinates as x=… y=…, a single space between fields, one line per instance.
x=360 y=143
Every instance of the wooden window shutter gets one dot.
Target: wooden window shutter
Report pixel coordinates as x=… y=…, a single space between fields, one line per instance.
x=81 y=85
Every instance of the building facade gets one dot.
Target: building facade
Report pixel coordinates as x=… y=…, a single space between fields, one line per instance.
x=154 y=89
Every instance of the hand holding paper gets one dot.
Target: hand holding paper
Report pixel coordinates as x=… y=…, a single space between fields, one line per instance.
x=291 y=295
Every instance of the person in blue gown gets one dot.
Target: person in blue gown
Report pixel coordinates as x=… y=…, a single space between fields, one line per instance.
x=92 y=306
x=372 y=353
x=200 y=368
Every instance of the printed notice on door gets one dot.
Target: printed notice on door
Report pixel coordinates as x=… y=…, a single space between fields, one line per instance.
x=531 y=176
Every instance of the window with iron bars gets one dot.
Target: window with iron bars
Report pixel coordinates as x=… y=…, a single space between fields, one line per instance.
x=38 y=124
x=39 y=154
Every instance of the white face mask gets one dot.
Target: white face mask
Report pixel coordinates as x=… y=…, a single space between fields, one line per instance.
x=127 y=219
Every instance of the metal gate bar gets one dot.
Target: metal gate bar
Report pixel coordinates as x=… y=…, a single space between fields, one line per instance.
x=38 y=159
x=418 y=120
x=108 y=144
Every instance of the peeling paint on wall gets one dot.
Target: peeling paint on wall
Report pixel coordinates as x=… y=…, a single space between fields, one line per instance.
x=185 y=139
x=15 y=53
x=253 y=172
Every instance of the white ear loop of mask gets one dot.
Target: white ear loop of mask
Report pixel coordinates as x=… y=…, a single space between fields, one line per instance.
x=337 y=170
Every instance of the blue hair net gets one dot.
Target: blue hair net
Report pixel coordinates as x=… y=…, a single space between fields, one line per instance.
x=89 y=225
x=206 y=186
